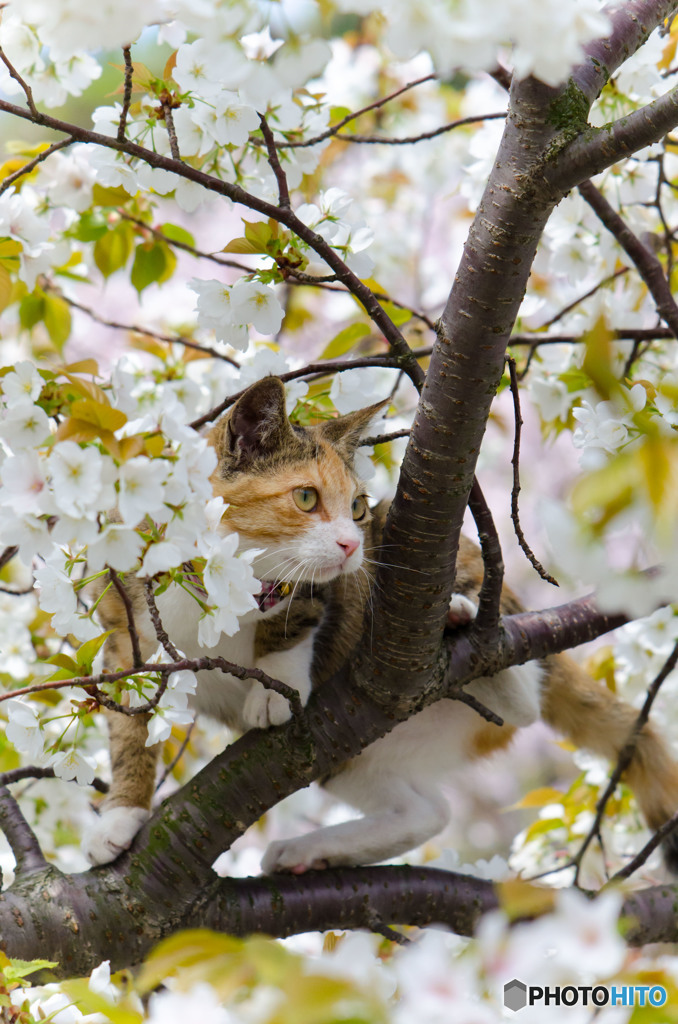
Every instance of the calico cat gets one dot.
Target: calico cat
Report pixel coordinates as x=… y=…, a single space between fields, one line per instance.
x=294 y=492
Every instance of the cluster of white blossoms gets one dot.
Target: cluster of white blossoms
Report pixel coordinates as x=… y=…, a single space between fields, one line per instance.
x=56 y=499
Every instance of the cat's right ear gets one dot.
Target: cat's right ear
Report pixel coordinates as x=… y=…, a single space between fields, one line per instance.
x=256 y=425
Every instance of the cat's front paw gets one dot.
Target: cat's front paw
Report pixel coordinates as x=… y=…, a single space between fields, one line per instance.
x=264 y=708
x=293 y=855
x=461 y=611
x=113 y=832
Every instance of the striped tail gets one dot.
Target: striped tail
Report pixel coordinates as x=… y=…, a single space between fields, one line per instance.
x=592 y=717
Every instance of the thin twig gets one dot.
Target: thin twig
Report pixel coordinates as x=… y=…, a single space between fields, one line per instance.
x=650 y=846
x=35 y=772
x=157 y=233
x=352 y=117
x=311 y=370
x=625 y=756
x=375 y=923
x=20 y=836
x=91 y=683
x=24 y=85
x=169 y=124
x=160 y=631
x=489 y=598
x=129 y=611
x=642 y=334
x=582 y=298
x=177 y=757
x=17 y=593
x=127 y=99
x=8 y=554
x=384 y=438
x=645 y=261
x=170 y=339
x=410 y=140
x=515 y=491
x=31 y=164
x=275 y=165
x=465 y=697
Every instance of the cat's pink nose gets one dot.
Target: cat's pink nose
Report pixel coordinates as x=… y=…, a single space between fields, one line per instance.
x=348 y=546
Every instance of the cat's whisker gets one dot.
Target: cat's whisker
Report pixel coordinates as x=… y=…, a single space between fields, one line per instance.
x=392 y=565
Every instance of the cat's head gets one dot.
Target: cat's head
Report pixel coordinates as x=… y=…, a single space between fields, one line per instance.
x=292 y=490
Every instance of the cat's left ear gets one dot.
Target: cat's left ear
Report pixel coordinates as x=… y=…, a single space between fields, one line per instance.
x=346 y=432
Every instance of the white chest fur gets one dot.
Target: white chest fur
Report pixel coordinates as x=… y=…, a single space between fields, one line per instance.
x=242 y=704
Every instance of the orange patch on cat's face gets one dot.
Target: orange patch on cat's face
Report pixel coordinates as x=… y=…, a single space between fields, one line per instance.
x=262 y=506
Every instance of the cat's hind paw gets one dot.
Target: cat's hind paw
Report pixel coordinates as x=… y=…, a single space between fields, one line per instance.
x=112 y=833
x=461 y=611
x=292 y=855
x=264 y=708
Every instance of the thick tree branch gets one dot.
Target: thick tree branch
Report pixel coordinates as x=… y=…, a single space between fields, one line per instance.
x=632 y=23
x=598 y=148
x=20 y=836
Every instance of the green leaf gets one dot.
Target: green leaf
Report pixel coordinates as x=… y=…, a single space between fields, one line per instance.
x=5 y=287
x=175 y=233
x=345 y=340
x=240 y=245
x=57 y=317
x=259 y=233
x=113 y=249
x=396 y=313
x=22 y=968
x=88 y=651
x=64 y=661
x=109 y=196
x=89 y=1002
x=9 y=254
x=32 y=309
x=150 y=264
x=90 y=227
x=100 y=413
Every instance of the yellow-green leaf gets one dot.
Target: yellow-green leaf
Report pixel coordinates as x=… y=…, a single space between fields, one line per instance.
x=89 y=1002
x=521 y=899
x=88 y=651
x=149 y=266
x=57 y=318
x=240 y=245
x=83 y=366
x=10 y=251
x=540 y=797
x=598 y=358
x=103 y=196
x=100 y=413
x=344 y=341
x=5 y=287
x=86 y=388
x=113 y=249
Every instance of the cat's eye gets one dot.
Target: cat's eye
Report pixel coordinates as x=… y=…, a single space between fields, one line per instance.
x=305 y=498
x=359 y=507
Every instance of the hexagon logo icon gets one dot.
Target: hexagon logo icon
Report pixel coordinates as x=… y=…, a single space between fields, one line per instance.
x=515 y=995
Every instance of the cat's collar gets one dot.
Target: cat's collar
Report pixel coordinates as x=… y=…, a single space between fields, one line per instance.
x=271 y=594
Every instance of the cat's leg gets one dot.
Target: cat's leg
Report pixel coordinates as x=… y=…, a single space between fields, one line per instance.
x=133 y=764
x=127 y=805
x=264 y=707
x=400 y=814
